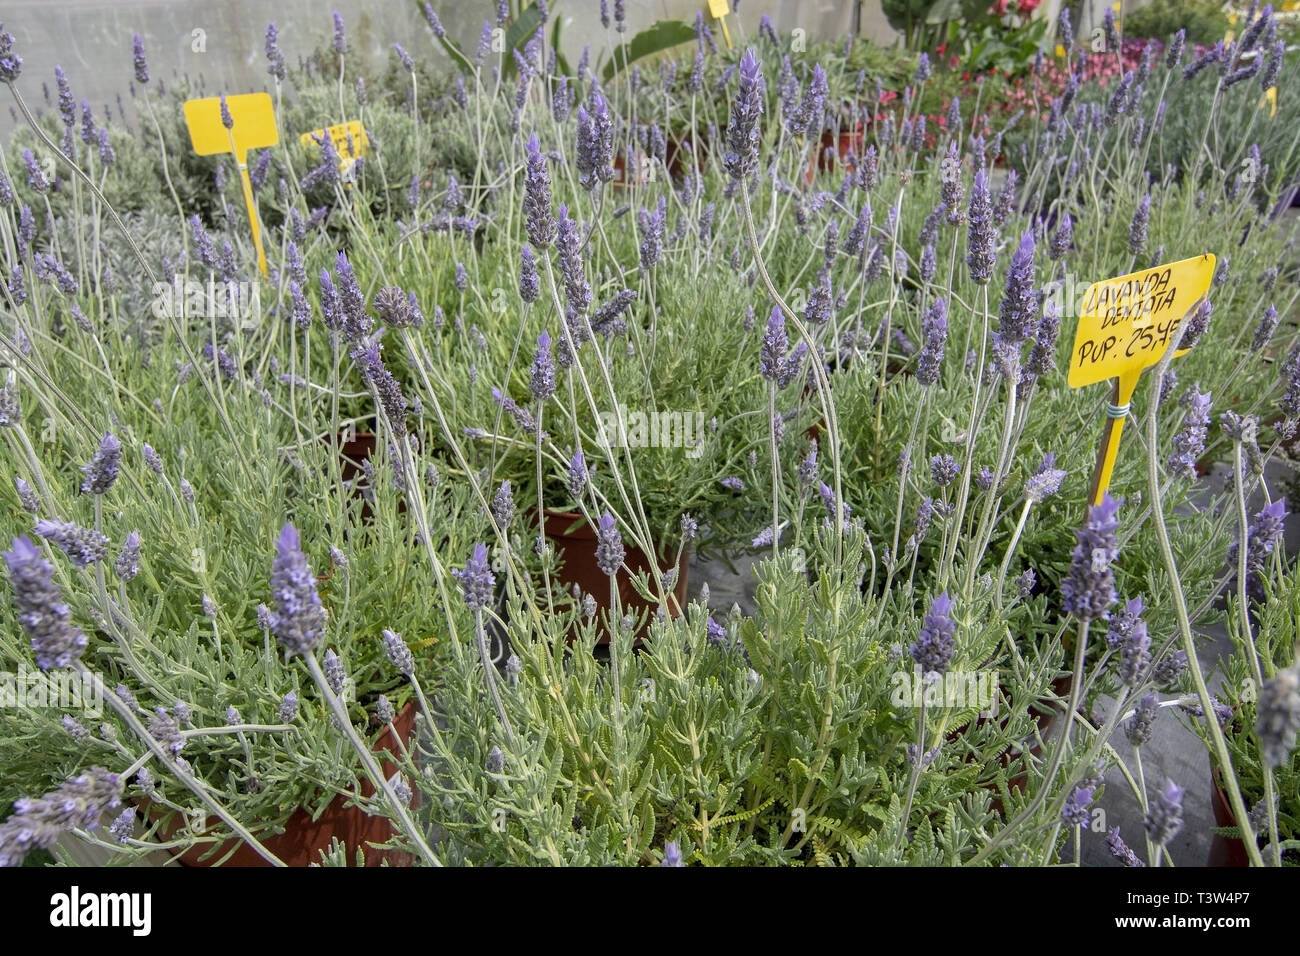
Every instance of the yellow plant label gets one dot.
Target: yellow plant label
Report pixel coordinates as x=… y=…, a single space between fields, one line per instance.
x=349 y=141
x=1126 y=323
x=1270 y=100
x=253 y=126
x=719 y=8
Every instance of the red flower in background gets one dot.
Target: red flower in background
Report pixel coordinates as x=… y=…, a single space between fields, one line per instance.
x=999 y=7
x=1026 y=7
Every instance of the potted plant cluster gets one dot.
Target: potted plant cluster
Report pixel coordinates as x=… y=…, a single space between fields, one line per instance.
x=334 y=552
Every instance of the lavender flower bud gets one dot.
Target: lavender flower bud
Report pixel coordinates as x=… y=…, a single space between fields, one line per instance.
x=37 y=824
x=1017 y=314
x=1278 y=717
x=1267 y=326
x=496 y=760
x=1075 y=812
x=127 y=565
x=503 y=505
x=476 y=580
x=1088 y=590
x=1138 y=730
x=595 y=151
x=288 y=708
x=980 y=234
x=103 y=469
x=1137 y=230
x=137 y=55
x=775 y=344
x=577 y=477
x=609 y=545
x=1046 y=481
x=933 y=648
x=1189 y=444
x=538 y=221
x=83 y=546
x=672 y=849
x=1025 y=584
x=1165 y=816
x=1174 y=56
x=298 y=621
x=1261 y=539
x=1121 y=850
x=334 y=674
x=530 y=286
x=944 y=469
x=399 y=655
x=743 y=135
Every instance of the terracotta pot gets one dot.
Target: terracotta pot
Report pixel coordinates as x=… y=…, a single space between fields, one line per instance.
x=842 y=142
x=1224 y=851
x=303 y=838
x=575 y=540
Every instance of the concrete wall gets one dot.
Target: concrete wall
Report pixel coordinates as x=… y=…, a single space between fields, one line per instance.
x=91 y=39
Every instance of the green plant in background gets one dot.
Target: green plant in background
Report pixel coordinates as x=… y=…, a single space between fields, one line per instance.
x=1204 y=20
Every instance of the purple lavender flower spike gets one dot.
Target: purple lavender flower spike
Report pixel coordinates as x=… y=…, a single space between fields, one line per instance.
x=1137 y=230
x=609 y=545
x=944 y=469
x=40 y=609
x=1088 y=590
x=1017 y=317
x=542 y=380
x=398 y=653
x=933 y=648
x=476 y=580
x=538 y=220
x=530 y=286
x=577 y=476
x=1262 y=537
x=127 y=565
x=595 y=152
x=298 y=621
x=1165 y=815
x=37 y=824
x=743 y=135
x=980 y=234
x=1278 y=717
x=1075 y=812
x=103 y=468
x=140 y=63
x=1189 y=444
x=83 y=546
x=775 y=344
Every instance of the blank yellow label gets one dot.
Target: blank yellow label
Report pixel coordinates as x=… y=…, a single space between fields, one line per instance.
x=340 y=136
x=1126 y=323
x=719 y=8
x=253 y=127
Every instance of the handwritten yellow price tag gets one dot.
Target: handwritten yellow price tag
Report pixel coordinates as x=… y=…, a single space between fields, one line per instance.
x=253 y=127
x=1126 y=323
x=1125 y=327
x=349 y=141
